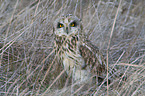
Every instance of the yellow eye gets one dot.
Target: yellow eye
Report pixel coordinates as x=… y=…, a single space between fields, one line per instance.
x=60 y=25
x=72 y=25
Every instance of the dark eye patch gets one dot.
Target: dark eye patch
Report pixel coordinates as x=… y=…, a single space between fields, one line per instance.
x=60 y=25
x=73 y=24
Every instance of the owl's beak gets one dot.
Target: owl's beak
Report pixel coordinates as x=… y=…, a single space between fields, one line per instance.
x=67 y=30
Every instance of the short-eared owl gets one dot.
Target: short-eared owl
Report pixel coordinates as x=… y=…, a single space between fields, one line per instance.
x=80 y=59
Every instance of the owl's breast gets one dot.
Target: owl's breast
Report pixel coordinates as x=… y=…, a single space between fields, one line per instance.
x=71 y=56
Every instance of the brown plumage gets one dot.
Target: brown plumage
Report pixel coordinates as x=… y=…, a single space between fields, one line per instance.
x=93 y=58
x=80 y=59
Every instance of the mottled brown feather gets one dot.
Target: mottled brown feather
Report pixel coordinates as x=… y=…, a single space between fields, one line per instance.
x=93 y=58
x=77 y=58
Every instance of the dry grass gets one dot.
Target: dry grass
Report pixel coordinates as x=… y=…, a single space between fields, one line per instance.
x=28 y=65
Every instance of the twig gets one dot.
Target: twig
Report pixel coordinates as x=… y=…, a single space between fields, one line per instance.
x=110 y=42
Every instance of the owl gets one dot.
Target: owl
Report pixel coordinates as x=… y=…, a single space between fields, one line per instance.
x=80 y=58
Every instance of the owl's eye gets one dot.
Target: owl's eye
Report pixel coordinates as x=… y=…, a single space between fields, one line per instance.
x=60 y=25
x=73 y=24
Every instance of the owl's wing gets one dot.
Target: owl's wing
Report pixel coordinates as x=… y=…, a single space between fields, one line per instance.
x=93 y=58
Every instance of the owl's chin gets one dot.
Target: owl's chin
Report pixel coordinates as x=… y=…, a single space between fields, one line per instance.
x=67 y=35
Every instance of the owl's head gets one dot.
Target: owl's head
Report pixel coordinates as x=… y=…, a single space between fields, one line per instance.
x=66 y=26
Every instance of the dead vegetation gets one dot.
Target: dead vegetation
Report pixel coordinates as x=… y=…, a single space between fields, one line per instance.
x=28 y=65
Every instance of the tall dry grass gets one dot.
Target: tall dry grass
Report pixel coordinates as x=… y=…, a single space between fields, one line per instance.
x=28 y=65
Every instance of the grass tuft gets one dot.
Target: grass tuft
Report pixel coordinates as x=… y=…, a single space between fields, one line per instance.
x=28 y=65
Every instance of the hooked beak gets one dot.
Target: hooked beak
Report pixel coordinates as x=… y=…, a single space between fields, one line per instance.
x=67 y=30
